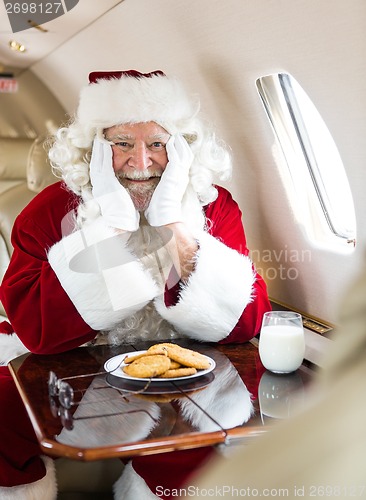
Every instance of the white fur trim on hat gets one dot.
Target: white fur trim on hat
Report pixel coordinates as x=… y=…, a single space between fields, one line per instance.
x=133 y=100
x=217 y=292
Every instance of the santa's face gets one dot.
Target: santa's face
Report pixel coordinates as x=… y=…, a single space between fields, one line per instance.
x=139 y=158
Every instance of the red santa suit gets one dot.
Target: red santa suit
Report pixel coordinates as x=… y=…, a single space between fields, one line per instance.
x=54 y=306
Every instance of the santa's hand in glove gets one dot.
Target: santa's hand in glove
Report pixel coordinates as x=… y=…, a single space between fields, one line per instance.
x=165 y=205
x=165 y=209
x=115 y=203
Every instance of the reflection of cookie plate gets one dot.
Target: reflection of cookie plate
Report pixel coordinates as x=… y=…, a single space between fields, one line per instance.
x=115 y=367
x=166 y=386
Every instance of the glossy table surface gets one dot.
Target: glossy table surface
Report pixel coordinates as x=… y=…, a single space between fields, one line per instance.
x=103 y=416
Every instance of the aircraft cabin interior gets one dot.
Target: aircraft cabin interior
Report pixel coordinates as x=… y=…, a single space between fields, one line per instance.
x=283 y=84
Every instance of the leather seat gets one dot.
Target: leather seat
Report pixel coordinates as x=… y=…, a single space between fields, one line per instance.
x=24 y=171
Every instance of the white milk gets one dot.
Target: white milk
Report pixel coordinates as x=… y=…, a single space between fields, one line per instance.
x=282 y=348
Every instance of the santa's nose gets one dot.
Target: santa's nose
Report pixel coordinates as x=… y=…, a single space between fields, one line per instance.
x=140 y=157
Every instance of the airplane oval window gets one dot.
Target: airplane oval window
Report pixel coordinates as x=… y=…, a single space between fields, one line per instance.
x=322 y=193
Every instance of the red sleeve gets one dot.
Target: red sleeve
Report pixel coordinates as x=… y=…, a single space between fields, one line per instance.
x=225 y=224
x=38 y=308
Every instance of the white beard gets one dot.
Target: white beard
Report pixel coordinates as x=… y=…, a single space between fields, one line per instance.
x=145 y=324
x=141 y=196
x=146 y=244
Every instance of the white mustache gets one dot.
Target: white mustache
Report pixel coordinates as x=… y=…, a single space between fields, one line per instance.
x=141 y=176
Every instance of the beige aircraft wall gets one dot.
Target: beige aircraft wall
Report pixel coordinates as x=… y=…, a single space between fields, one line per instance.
x=220 y=48
x=30 y=112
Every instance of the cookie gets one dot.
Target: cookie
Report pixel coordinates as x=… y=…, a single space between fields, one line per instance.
x=174 y=365
x=186 y=357
x=148 y=366
x=158 y=349
x=129 y=359
x=179 y=372
x=155 y=349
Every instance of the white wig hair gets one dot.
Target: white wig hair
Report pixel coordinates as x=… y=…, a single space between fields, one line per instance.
x=110 y=101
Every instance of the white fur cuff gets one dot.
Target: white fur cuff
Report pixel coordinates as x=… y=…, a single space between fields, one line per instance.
x=45 y=488
x=102 y=278
x=10 y=347
x=217 y=293
x=131 y=486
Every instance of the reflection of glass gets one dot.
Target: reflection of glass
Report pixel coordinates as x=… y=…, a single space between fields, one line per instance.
x=280 y=396
x=281 y=341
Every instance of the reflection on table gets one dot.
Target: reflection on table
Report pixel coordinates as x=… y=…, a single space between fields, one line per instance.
x=280 y=395
x=100 y=417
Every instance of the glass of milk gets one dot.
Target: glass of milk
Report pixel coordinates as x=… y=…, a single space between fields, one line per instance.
x=282 y=341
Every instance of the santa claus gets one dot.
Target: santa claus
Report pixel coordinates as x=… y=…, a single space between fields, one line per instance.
x=137 y=241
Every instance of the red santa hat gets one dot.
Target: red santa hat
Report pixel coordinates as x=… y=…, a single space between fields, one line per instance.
x=112 y=98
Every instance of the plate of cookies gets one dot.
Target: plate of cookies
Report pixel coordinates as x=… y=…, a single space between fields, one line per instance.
x=160 y=363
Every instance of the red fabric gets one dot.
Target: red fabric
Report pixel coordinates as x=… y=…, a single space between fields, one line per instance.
x=108 y=75
x=6 y=327
x=225 y=224
x=20 y=461
x=49 y=322
x=37 y=306
x=167 y=472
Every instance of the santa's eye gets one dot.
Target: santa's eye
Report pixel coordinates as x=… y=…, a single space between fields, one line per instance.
x=157 y=145
x=123 y=145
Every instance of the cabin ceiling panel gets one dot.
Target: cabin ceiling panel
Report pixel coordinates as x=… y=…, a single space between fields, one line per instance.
x=193 y=38
x=43 y=40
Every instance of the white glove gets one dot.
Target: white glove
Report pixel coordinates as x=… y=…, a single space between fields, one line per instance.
x=115 y=203
x=165 y=204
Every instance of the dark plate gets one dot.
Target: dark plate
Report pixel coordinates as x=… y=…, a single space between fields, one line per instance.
x=146 y=387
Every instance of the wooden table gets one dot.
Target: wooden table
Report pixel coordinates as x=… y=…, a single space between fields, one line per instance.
x=110 y=422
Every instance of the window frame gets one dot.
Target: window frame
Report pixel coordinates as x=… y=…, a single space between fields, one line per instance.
x=283 y=110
